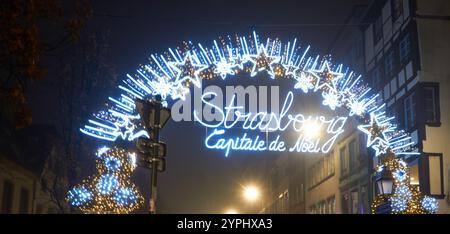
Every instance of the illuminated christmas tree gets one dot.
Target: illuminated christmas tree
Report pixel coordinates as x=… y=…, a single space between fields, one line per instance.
x=111 y=190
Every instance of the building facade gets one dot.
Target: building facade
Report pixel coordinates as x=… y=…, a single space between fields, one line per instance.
x=340 y=182
x=406 y=48
x=21 y=191
x=285 y=185
x=33 y=175
x=401 y=48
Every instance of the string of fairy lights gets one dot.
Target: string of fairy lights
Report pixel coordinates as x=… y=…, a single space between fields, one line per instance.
x=406 y=198
x=110 y=191
x=171 y=74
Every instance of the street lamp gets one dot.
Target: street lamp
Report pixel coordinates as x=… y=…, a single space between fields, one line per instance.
x=251 y=193
x=311 y=128
x=385 y=183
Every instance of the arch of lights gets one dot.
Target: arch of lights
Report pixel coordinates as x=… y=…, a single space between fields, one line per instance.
x=170 y=75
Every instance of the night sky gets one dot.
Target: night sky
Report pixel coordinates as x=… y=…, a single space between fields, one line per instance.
x=198 y=180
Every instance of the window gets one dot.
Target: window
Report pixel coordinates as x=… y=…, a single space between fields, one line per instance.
x=405 y=48
x=364 y=207
x=354 y=200
x=326 y=206
x=7 y=198
x=321 y=170
x=24 y=200
x=299 y=197
x=352 y=154
x=410 y=111
x=331 y=205
x=431 y=104
x=376 y=78
x=362 y=146
x=414 y=175
x=344 y=160
x=389 y=63
x=397 y=111
x=344 y=204
x=356 y=50
x=378 y=30
x=397 y=9
x=331 y=163
x=434 y=179
x=283 y=202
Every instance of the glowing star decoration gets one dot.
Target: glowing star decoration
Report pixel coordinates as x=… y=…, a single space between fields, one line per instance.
x=188 y=70
x=263 y=62
x=291 y=70
x=116 y=125
x=238 y=62
x=331 y=99
x=110 y=191
x=380 y=147
x=325 y=78
x=161 y=86
x=124 y=129
x=179 y=91
x=224 y=68
x=169 y=75
x=406 y=198
x=357 y=108
x=304 y=82
x=430 y=204
x=376 y=131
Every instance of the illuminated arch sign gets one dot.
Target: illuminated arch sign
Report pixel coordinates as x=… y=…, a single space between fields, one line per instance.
x=170 y=75
x=316 y=134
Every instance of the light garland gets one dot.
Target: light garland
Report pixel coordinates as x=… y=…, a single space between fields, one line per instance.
x=171 y=74
x=110 y=191
x=406 y=199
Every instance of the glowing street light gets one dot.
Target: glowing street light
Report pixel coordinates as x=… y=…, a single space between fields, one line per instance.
x=231 y=211
x=311 y=129
x=251 y=193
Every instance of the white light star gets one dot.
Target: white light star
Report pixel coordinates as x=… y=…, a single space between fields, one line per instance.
x=357 y=107
x=322 y=80
x=291 y=69
x=179 y=91
x=161 y=86
x=380 y=134
x=380 y=147
x=188 y=70
x=262 y=61
x=331 y=99
x=124 y=129
x=224 y=68
x=304 y=82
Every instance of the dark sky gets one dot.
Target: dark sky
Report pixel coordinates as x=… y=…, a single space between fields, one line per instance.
x=198 y=180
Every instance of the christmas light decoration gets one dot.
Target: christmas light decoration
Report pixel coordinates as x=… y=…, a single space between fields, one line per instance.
x=406 y=198
x=430 y=204
x=110 y=191
x=171 y=73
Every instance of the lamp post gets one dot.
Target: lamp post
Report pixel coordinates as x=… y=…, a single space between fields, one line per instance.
x=385 y=183
x=151 y=151
x=252 y=194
